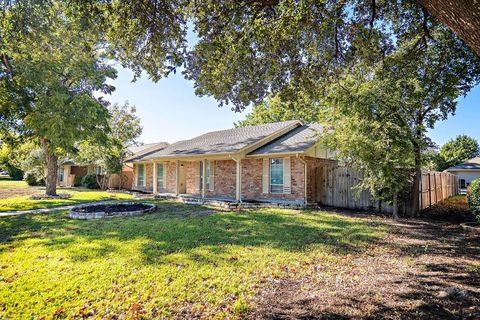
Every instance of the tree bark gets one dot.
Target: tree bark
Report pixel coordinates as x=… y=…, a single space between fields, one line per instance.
x=52 y=170
x=395 y=207
x=414 y=203
x=461 y=16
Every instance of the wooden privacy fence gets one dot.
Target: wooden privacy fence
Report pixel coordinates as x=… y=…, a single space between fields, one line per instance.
x=332 y=185
x=437 y=186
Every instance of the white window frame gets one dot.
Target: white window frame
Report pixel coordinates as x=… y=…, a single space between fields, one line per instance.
x=143 y=174
x=270 y=176
x=160 y=181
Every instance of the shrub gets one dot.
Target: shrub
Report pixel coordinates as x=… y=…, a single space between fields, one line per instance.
x=77 y=181
x=14 y=172
x=32 y=179
x=473 y=198
x=90 y=181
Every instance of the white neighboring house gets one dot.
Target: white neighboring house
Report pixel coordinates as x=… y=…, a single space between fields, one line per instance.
x=466 y=171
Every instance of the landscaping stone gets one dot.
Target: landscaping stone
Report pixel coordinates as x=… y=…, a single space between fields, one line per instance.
x=110 y=210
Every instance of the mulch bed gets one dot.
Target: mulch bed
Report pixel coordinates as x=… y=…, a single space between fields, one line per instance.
x=110 y=208
x=422 y=270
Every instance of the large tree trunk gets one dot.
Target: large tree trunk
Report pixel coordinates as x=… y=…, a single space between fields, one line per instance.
x=52 y=170
x=461 y=16
x=414 y=202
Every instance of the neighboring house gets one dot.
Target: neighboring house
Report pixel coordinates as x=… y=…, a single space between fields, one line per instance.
x=466 y=171
x=69 y=170
x=273 y=163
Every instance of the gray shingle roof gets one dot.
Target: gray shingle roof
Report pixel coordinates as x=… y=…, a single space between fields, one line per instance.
x=472 y=164
x=146 y=149
x=297 y=140
x=221 y=142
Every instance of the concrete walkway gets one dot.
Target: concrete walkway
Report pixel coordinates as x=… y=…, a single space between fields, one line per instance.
x=51 y=209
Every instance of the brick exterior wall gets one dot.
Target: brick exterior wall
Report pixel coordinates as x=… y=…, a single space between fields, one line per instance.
x=252 y=181
x=171 y=177
x=224 y=180
x=190 y=183
x=224 y=172
x=149 y=177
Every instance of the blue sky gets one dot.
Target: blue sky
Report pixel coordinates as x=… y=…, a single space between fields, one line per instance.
x=170 y=110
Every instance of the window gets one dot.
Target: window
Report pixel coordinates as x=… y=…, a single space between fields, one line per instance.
x=463 y=183
x=160 y=175
x=98 y=170
x=60 y=174
x=140 y=175
x=276 y=175
x=207 y=175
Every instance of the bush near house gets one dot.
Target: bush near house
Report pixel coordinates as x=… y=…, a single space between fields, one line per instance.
x=32 y=179
x=473 y=198
x=90 y=181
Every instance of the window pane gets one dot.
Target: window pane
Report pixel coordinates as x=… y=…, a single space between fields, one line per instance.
x=207 y=182
x=160 y=175
x=140 y=178
x=201 y=175
x=276 y=175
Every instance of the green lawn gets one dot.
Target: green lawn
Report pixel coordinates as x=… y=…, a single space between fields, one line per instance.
x=7 y=183
x=179 y=261
x=25 y=203
x=15 y=195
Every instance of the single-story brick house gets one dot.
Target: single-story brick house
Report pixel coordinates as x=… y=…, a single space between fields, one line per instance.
x=69 y=170
x=466 y=171
x=271 y=162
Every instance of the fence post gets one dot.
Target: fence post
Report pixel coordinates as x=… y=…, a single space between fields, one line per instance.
x=429 y=191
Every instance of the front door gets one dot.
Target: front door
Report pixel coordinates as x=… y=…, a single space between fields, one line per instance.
x=182 y=186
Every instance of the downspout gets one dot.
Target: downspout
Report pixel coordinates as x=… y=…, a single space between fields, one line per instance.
x=305 y=176
x=239 y=178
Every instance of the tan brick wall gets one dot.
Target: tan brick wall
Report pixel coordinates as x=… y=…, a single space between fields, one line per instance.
x=224 y=179
x=224 y=172
x=149 y=176
x=191 y=178
x=171 y=177
x=252 y=181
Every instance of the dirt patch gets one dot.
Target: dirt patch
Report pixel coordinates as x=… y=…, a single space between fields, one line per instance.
x=454 y=209
x=422 y=270
x=17 y=191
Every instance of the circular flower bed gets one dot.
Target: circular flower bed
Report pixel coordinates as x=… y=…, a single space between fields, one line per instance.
x=110 y=210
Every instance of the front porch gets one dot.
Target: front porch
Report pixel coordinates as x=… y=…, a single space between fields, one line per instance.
x=230 y=203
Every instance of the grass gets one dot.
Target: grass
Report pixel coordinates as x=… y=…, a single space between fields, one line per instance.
x=180 y=261
x=15 y=195
x=25 y=203
x=7 y=183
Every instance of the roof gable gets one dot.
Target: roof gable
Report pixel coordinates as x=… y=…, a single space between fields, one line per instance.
x=298 y=140
x=146 y=149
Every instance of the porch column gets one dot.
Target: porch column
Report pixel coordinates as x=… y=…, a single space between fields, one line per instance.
x=204 y=176
x=239 y=180
x=155 y=182
x=177 y=178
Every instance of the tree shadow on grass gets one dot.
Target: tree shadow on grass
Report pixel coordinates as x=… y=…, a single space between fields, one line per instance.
x=426 y=270
x=180 y=228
